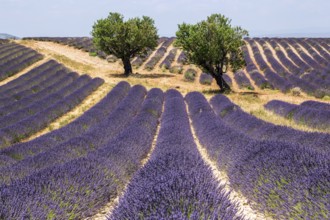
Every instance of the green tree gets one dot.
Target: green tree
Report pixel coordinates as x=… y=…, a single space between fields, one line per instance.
x=213 y=45
x=125 y=39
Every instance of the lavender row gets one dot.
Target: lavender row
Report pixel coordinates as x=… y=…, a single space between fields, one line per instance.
x=309 y=58
x=314 y=54
x=182 y=58
x=281 y=180
x=277 y=81
x=310 y=117
x=24 y=128
x=279 y=69
x=294 y=57
x=234 y=117
x=323 y=52
x=320 y=78
x=175 y=183
x=307 y=87
x=260 y=80
x=306 y=58
x=205 y=79
x=159 y=54
x=44 y=103
x=166 y=63
x=13 y=105
x=79 y=188
x=285 y=61
x=316 y=105
x=17 y=64
x=15 y=96
x=31 y=78
x=91 y=140
x=257 y=55
x=242 y=81
x=139 y=60
x=95 y=115
x=11 y=52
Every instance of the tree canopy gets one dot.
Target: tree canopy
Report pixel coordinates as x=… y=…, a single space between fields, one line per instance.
x=214 y=45
x=125 y=39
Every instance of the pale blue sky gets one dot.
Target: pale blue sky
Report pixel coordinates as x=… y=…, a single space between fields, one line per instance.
x=76 y=17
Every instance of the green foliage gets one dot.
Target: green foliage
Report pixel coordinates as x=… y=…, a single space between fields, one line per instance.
x=124 y=39
x=190 y=75
x=93 y=54
x=213 y=44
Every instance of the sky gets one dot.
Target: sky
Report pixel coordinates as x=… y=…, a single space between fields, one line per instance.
x=32 y=18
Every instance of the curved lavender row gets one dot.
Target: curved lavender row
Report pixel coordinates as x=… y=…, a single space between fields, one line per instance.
x=314 y=118
x=256 y=53
x=322 y=79
x=175 y=183
x=260 y=80
x=271 y=58
x=304 y=85
x=19 y=64
x=308 y=59
x=142 y=58
x=166 y=63
x=285 y=61
x=282 y=180
x=205 y=79
x=256 y=128
x=7 y=46
x=316 y=105
x=81 y=187
x=85 y=122
x=159 y=54
x=182 y=58
x=13 y=55
x=17 y=97
x=59 y=82
x=277 y=81
x=79 y=146
x=16 y=83
x=313 y=53
x=12 y=52
x=35 y=80
x=307 y=87
x=44 y=103
x=321 y=50
x=242 y=81
x=14 y=133
x=293 y=56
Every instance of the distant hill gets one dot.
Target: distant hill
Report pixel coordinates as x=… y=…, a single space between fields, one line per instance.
x=7 y=36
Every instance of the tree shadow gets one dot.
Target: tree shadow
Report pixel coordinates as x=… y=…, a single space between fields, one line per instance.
x=143 y=76
x=211 y=91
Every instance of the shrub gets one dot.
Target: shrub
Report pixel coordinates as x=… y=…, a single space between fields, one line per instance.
x=205 y=79
x=190 y=75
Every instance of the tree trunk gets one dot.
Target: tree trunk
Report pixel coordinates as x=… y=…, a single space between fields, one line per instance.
x=127 y=67
x=224 y=87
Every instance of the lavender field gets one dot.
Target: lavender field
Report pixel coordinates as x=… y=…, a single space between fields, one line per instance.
x=147 y=152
